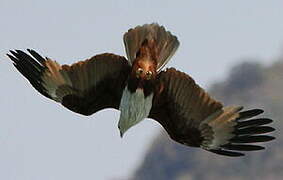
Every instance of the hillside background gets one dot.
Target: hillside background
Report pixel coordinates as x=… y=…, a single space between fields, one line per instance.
x=250 y=84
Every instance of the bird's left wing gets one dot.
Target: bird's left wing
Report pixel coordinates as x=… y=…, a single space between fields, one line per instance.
x=191 y=117
x=84 y=87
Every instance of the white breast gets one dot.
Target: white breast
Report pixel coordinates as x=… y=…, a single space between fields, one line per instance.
x=134 y=108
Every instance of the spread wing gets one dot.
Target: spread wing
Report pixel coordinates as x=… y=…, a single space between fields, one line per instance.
x=191 y=117
x=84 y=87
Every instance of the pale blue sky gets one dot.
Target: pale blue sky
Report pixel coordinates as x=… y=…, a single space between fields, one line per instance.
x=40 y=139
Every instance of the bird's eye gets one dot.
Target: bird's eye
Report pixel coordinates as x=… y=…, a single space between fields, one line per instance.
x=148 y=74
x=139 y=72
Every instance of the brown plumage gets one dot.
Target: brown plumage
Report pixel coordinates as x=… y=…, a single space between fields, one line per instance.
x=165 y=43
x=139 y=88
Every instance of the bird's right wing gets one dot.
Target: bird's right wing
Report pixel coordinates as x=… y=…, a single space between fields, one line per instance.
x=84 y=87
x=191 y=117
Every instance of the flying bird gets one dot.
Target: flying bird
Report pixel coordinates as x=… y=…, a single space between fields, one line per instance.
x=140 y=88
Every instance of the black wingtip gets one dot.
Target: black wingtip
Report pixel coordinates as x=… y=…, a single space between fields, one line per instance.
x=19 y=51
x=37 y=56
x=254 y=130
x=251 y=139
x=13 y=52
x=241 y=147
x=13 y=58
x=247 y=132
x=250 y=113
x=227 y=153
x=253 y=123
x=9 y=55
x=30 y=67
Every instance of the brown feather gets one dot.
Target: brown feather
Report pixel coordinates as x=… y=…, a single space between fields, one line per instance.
x=165 y=44
x=177 y=106
x=191 y=117
x=83 y=87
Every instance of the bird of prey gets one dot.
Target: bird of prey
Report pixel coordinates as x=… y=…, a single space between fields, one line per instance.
x=140 y=88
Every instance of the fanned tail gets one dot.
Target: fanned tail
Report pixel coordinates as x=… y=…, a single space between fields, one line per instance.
x=166 y=43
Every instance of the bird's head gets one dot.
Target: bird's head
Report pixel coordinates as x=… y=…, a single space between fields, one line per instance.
x=145 y=65
x=144 y=69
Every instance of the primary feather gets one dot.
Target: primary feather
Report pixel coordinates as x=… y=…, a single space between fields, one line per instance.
x=193 y=118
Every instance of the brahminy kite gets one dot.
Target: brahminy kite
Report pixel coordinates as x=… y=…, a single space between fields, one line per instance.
x=139 y=88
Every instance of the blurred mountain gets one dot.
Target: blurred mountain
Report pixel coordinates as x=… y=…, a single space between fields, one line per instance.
x=249 y=84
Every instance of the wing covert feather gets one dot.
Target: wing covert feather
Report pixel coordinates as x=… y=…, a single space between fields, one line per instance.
x=193 y=118
x=185 y=97
x=83 y=87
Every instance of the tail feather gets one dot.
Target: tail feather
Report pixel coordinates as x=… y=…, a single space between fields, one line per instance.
x=166 y=43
